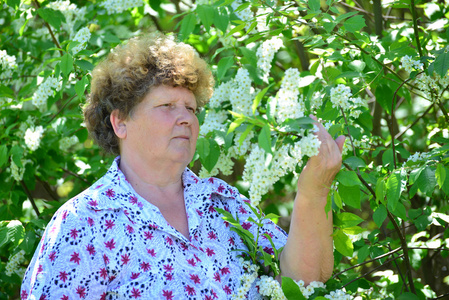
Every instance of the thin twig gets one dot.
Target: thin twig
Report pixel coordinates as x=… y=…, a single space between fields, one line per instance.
x=415 y=30
x=412 y=124
x=55 y=41
x=370 y=13
x=439 y=297
x=76 y=175
x=30 y=197
x=375 y=269
x=368 y=261
x=61 y=109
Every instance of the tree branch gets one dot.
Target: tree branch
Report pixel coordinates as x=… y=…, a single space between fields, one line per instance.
x=55 y=41
x=30 y=197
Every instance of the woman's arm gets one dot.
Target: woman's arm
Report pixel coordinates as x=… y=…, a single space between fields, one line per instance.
x=308 y=253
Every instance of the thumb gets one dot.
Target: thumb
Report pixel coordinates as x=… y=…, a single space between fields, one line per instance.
x=340 y=142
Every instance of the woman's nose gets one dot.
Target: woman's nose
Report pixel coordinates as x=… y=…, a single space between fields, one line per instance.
x=185 y=116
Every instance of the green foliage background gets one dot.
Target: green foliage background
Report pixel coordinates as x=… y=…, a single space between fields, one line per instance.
x=390 y=205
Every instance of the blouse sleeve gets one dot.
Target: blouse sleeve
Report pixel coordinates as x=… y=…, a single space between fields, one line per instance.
x=67 y=263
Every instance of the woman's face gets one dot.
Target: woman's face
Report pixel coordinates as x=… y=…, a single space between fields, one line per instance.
x=163 y=128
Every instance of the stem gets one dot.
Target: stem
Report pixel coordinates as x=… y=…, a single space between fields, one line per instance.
x=371 y=271
x=368 y=261
x=414 y=122
x=61 y=109
x=415 y=30
x=439 y=297
x=76 y=175
x=347 y=128
x=30 y=197
x=405 y=247
x=55 y=41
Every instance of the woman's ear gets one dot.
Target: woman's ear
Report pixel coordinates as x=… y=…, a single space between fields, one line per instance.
x=118 y=124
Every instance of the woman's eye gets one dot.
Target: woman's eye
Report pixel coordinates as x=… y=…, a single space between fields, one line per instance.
x=191 y=109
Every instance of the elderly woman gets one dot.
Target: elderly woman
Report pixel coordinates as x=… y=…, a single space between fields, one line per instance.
x=148 y=228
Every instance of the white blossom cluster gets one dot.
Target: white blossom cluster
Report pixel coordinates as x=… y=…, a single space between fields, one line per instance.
x=82 y=36
x=16 y=172
x=221 y=94
x=246 y=15
x=310 y=145
x=240 y=149
x=418 y=156
x=223 y=165
x=119 y=6
x=44 y=91
x=8 y=64
x=241 y=97
x=20 y=132
x=410 y=64
x=265 y=54
x=262 y=14
x=341 y=96
x=214 y=120
x=338 y=295
x=317 y=100
x=270 y=287
x=71 y=13
x=246 y=280
x=66 y=142
x=260 y=177
x=432 y=86
x=14 y=262
x=33 y=137
x=288 y=104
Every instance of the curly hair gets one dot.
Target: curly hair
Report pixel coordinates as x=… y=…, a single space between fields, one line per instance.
x=123 y=79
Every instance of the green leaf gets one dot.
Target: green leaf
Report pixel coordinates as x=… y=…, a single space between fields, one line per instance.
x=407 y=296
x=350 y=195
x=400 y=211
x=422 y=222
x=353 y=230
x=362 y=254
x=426 y=181
x=291 y=289
x=223 y=66
x=343 y=243
x=345 y=16
x=3 y=155
x=111 y=38
x=393 y=191
x=6 y=92
x=380 y=215
x=84 y=65
x=66 y=64
x=384 y=96
x=188 y=23
x=80 y=86
x=258 y=98
x=249 y=55
x=314 y=5
x=381 y=189
x=346 y=220
x=348 y=178
x=13 y=3
x=441 y=64
x=206 y=14
x=264 y=139
x=52 y=17
x=354 y=24
x=202 y=146
x=17 y=153
x=337 y=200
x=355 y=162
x=28 y=242
x=209 y=161
x=221 y=19
x=235 y=124
x=236 y=29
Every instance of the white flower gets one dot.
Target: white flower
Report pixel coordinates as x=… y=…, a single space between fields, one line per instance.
x=118 y=6
x=221 y=94
x=44 y=91
x=288 y=104
x=82 y=36
x=14 y=262
x=213 y=121
x=310 y=145
x=66 y=142
x=33 y=137
x=410 y=64
x=240 y=94
x=265 y=54
x=245 y=15
x=340 y=97
x=71 y=13
x=7 y=63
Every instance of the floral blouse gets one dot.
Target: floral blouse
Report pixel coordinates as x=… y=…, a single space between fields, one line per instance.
x=110 y=243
